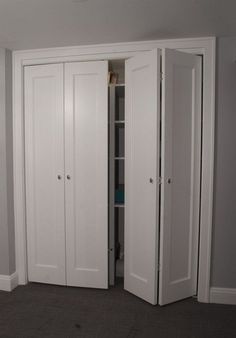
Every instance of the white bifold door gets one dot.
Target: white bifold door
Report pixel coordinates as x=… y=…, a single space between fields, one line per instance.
x=66 y=173
x=44 y=156
x=142 y=112
x=86 y=150
x=180 y=190
x=163 y=139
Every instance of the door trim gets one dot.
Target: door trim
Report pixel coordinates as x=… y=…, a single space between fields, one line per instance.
x=203 y=46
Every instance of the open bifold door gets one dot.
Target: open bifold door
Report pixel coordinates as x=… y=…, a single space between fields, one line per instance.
x=180 y=145
x=142 y=109
x=180 y=189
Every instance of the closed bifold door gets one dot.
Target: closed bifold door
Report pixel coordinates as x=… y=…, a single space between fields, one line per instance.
x=66 y=173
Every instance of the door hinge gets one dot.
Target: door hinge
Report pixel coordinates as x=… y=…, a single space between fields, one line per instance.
x=161 y=76
x=158 y=266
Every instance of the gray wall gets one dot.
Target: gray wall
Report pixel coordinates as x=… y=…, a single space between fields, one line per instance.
x=7 y=240
x=224 y=214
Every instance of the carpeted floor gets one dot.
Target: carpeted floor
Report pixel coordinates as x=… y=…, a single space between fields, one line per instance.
x=38 y=310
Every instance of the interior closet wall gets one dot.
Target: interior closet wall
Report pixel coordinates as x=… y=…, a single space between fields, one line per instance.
x=7 y=240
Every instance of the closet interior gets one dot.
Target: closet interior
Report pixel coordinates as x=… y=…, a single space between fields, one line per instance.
x=116 y=81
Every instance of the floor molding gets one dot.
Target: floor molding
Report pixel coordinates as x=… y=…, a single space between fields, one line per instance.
x=223 y=296
x=8 y=283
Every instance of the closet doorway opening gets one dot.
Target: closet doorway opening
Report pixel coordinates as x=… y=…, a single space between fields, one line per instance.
x=116 y=95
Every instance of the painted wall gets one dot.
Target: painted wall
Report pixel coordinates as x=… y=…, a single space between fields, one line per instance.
x=224 y=215
x=7 y=239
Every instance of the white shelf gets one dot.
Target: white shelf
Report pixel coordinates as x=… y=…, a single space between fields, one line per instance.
x=119 y=205
x=116 y=84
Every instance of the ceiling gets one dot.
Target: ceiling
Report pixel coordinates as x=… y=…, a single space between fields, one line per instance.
x=28 y=24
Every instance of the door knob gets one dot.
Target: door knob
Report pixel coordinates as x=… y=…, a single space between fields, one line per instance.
x=169 y=181
x=151 y=180
x=68 y=177
x=59 y=177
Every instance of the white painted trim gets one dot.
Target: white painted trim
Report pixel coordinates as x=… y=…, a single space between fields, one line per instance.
x=223 y=296
x=8 y=283
x=204 y=46
x=31 y=55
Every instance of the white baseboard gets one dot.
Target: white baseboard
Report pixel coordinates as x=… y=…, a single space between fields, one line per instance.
x=223 y=296
x=8 y=283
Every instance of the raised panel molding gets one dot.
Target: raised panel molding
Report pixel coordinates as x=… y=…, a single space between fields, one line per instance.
x=8 y=283
x=223 y=295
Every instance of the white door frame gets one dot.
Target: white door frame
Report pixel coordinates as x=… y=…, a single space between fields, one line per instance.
x=203 y=46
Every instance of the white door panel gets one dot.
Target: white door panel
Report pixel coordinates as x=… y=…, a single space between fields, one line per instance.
x=142 y=119
x=44 y=155
x=181 y=135
x=86 y=128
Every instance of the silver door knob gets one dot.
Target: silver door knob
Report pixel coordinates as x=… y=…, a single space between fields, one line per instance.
x=169 y=181
x=59 y=177
x=151 y=180
x=68 y=177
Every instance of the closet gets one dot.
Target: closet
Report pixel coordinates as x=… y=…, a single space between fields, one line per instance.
x=113 y=173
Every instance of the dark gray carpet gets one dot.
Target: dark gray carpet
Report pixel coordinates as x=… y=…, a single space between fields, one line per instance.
x=39 y=310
